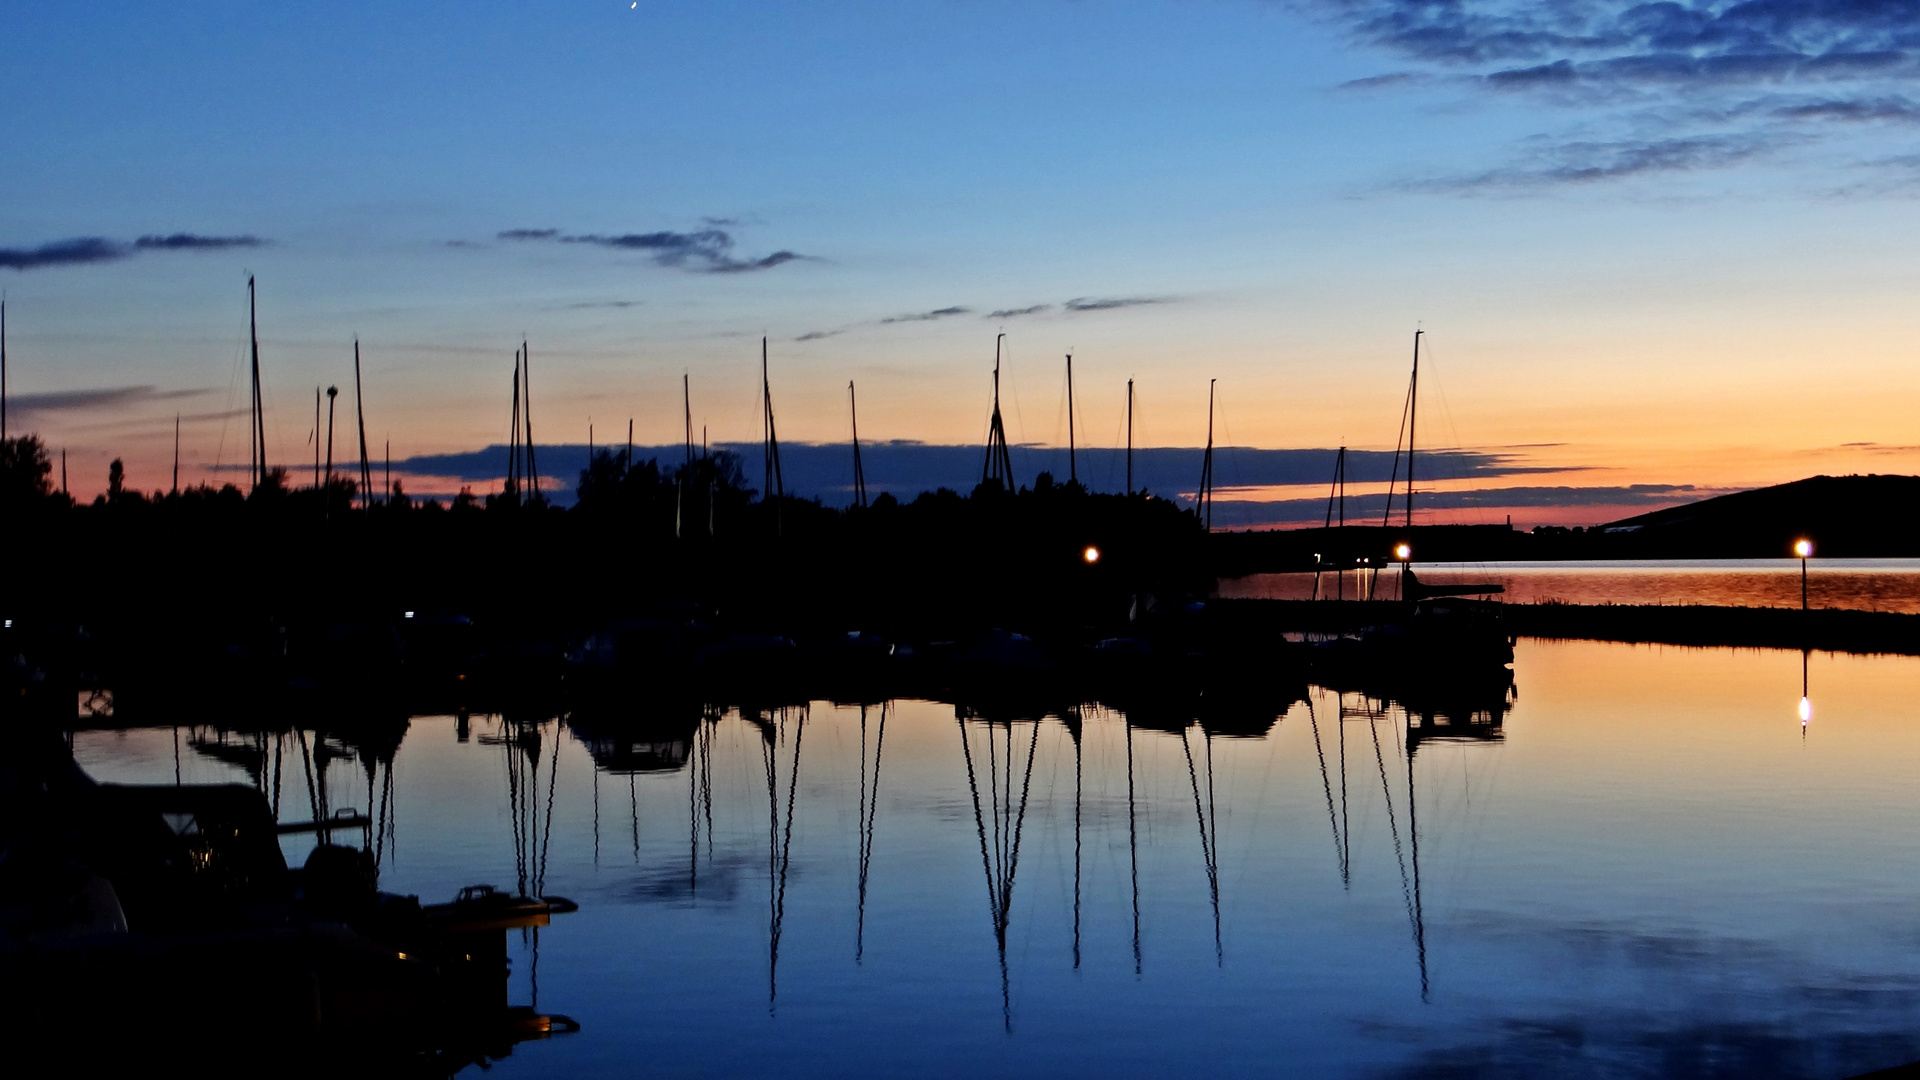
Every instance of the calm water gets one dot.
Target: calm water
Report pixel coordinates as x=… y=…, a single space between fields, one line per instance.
x=1862 y=584
x=1653 y=870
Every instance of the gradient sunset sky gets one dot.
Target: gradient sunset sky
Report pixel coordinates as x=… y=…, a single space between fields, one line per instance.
x=1661 y=245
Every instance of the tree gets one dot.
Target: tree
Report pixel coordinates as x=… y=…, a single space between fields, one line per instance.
x=25 y=470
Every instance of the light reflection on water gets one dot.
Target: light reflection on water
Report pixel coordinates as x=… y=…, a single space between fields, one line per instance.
x=1859 y=584
x=1650 y=872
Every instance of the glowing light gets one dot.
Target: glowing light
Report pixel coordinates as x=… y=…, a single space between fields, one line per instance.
x=409 y=614
x=1803 y=548
x=1806 y=710
x=1092 y=554
x=1403 y=552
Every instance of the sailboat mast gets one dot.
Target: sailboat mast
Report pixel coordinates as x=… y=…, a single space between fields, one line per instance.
x=859 y=470
x=360 y=411
x=316 y=438
x=258 y=435
x=999 y=465
x=1129 y=436
x=1413 y=419
x=3 y=368
x=775 y=484
x=1206 y=465
x=1073 y=468
x=176 y=453
x=513 y=432
x=526 y=413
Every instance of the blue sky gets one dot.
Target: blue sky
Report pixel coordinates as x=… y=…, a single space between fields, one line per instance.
x=1664 y=244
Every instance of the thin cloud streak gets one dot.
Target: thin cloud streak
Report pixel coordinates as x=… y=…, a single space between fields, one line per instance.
x=81 y=250
x=108 y=397
x=708 y=250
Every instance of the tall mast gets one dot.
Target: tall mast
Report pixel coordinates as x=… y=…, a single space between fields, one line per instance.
x=333 y=392
x=626 y=463
x=999 y=466
x=360 y=411
x=1413 y=418
x=258 y=434
x=859 y=470
x=1073 y=468
x=526 y=378
x=3 y=367
x=775 y=486
x=1206 y=466
x=513 y=433
x=1129 y=436
x=686 y=471
x=176 y=453
x=316 y=438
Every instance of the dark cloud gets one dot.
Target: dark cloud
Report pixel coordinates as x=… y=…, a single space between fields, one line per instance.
x=906 y=468
x=708 y=250
x=1014 y=313
x=81 y=249
x=192 y=242
x=1690 y=85
x=1297 y=511
x=588 y=305
x=1701 y=40
x=1088 y=303
x=928 y=316
x=94 y=249
x=816 y=335
x=735 y=266
x=104 y=397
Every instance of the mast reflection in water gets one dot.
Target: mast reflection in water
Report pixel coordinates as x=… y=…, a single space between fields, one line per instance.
x=1613 y=874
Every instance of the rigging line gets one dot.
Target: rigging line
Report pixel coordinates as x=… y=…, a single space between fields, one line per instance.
x=279 y=741
x=1133 y=847
x=1018 y=827
x=872 y=811
x=693 y=815
x=306 y=760
x=596 y=817
x=708 y=725
x=786 y=852
x=979 y=822
x=1418 y=914
x=1077 y=733
x=513 y=806
x=993 y=810
x=633 y=805
x=380 y=823
x=1326 y=787
x=1398 y=443
x=546 y=833
x=1206 y=847
x=1406 y=888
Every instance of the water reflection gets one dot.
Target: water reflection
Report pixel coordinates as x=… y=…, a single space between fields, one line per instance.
x=1498 y=870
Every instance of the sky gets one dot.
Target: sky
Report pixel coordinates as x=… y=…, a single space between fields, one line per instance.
x=1657 y=251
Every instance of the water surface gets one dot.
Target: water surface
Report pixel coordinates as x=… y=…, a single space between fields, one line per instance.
x=1859 y=584
x=1651 y=868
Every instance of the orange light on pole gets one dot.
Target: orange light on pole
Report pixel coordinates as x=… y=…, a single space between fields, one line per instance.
x=1403 y=552
x=1092 y=554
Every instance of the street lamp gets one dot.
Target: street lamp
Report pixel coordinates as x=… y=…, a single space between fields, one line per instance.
x=1403 y=552
x=1092 y=554
x=1803 y=548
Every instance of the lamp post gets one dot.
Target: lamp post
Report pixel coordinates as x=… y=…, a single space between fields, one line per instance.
x=1404 y=553
x=1803 y=548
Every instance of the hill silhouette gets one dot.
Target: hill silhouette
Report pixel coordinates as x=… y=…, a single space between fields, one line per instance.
x=1844 y=516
